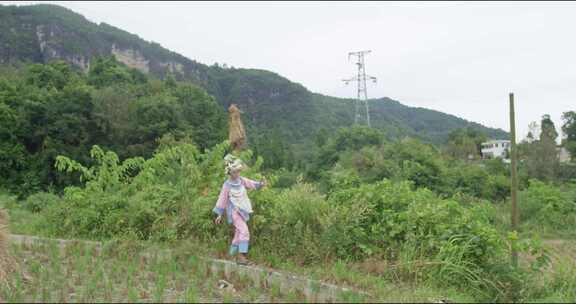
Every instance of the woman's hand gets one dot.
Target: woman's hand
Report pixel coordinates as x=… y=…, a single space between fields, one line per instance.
x=218 y=220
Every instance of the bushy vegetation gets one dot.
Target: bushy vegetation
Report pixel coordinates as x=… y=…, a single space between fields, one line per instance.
x=361 y=155
x=569 y=129
x=169 y=197
x=50 y=110
x=371 y=198
x=40 y=200
x=549 y=207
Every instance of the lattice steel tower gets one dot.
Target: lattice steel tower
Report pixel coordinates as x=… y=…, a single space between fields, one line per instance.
x=362 y=97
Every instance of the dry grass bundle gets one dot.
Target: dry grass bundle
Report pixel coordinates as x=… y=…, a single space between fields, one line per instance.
x=237 y=134
x=7 y=262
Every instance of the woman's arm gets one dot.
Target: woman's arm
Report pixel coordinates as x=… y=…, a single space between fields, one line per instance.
x=222 y=201
x=251 y=184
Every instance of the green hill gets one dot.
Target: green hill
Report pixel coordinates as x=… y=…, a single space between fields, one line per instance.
x=43 y=33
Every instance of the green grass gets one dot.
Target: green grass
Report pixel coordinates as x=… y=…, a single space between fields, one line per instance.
x=21 y=221
x=121 y=274
x=80 y=274
x=76 y=273
x=7 y=201
x=528 y=228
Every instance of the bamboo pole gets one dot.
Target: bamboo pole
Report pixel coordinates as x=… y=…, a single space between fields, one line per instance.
x=513 y=181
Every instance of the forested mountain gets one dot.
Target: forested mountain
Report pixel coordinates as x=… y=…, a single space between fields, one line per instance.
x=42 y=33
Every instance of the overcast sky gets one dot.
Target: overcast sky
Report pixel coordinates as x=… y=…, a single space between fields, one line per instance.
x=459 y=58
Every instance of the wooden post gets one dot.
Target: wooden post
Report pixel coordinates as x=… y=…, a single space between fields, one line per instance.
x=514 y=180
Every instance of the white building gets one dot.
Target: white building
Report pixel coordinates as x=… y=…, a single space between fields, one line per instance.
x=495 y=148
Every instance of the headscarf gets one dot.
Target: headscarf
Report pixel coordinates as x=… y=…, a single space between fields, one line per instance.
x=232 y=163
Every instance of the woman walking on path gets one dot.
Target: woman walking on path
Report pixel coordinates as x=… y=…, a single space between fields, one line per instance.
x=234 y=200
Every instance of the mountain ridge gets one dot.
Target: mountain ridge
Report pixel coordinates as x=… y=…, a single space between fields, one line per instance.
x=45 y=32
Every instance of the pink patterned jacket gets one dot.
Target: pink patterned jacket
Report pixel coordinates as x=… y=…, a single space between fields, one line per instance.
x=224 y=204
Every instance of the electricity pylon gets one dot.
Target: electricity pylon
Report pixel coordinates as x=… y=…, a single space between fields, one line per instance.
x=362 y=97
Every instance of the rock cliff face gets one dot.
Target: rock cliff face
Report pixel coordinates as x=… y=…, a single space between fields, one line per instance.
x=132 y=58
x=47 y=36
x=174 y=67
x=42 y=33
x=49 y=41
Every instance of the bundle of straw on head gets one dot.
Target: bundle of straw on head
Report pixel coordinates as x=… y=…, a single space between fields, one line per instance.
x=237 y=134
x=232 y=163
x=7 y=263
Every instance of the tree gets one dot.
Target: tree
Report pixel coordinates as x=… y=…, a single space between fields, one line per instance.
x=533 y=132
x=207 y=119
x=275 y=151
x=540 y=155
x=548 y=129
x=56 y=74
x=321 y=137
x=569 y=130
x=12 y=153
x=170 y=80
x=114 y=110
x=357 y=137
x=105 y=71
x=345 y=139
x=463 y=143
x=48 y=110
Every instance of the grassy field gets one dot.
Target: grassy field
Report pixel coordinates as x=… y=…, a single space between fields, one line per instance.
x=121 y=274
x=79 y=273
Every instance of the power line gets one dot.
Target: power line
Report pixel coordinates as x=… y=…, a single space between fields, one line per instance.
x=362 y=96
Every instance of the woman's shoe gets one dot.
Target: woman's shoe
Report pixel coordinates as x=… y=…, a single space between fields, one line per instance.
x=242 y=260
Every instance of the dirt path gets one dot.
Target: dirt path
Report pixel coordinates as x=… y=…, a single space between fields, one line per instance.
x=560 y=251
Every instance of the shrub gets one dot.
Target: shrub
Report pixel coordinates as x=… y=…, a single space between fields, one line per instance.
x=547 y=205
x=289 y=222
x=499 y=187
x=38 y=201
x=496 y=166
x=477 y=181
x=392 y=213
x=404 y=160
x=567 y=172
x=167 y=197
x=170 y=196
x=286 y=179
